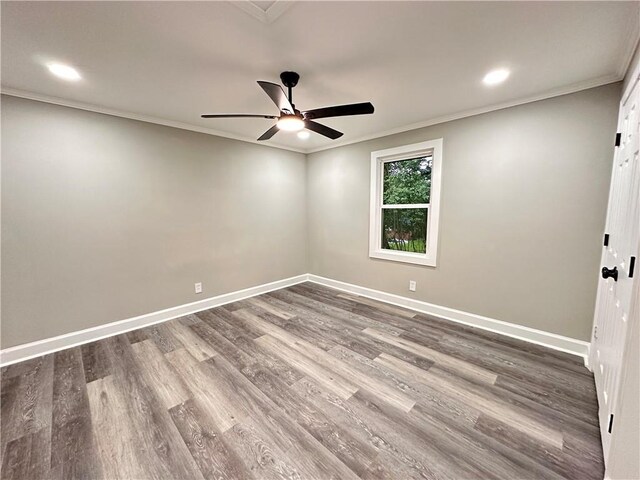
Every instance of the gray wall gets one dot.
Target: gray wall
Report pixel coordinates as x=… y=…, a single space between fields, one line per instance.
x=524 y=196
x=105 y=218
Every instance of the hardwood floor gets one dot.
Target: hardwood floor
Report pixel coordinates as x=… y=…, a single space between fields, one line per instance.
x=305 y=382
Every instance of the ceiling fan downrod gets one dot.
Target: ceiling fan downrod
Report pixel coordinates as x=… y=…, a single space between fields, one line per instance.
x=289 y=80
x=292 y=119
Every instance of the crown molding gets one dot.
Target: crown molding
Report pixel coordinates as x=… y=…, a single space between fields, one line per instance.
x=633 y=40
x=134 y=116
x=576 y=87
x=267 y=16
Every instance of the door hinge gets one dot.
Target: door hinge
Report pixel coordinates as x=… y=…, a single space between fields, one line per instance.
x=606 y=239
x=595 y=332
x=632 y=264
x=610 y=423
x=618 y=138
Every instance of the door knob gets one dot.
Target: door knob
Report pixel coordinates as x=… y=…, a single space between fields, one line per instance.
x=610 y=273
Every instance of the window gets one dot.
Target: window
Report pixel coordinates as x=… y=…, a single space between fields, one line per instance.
x=405 y=201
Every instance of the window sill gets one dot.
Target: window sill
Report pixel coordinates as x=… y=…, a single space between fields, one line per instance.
x=405 y=257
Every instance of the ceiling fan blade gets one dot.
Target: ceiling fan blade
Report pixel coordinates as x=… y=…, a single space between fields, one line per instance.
x=276 y=93
x=269 y=133
x=339 y=111
x=322 y=129
x=237 y=115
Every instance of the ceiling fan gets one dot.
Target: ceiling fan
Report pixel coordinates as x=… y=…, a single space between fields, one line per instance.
x=292 y=119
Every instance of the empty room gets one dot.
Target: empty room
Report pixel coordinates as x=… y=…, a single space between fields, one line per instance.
x=320 y=240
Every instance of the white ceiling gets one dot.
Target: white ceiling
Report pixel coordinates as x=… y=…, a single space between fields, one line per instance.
x=415 y=61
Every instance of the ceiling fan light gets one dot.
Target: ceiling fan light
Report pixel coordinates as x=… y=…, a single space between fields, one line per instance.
x=290 y=123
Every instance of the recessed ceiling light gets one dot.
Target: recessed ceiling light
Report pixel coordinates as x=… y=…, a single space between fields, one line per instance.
x=303 y=134
x=495 y=77
x=64 y=71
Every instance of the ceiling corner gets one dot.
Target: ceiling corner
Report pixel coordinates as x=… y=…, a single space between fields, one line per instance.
x=265 y=12
x=633 y=42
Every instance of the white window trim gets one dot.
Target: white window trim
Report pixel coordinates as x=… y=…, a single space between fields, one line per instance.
x=378 y=159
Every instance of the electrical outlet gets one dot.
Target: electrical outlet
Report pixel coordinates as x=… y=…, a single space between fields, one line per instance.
x=412 y=285
x=198 y=287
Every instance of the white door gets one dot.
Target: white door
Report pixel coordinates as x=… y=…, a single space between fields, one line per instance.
x=619 y=263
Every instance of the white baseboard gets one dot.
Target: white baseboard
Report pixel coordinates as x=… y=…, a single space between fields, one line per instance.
x=587 y=358
x=539 y=337
x=73 y=339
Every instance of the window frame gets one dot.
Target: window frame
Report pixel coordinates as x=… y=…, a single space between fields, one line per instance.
x=405 y=152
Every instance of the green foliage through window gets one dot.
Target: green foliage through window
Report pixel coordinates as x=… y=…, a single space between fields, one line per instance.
x=404 y=229
x=407 y=181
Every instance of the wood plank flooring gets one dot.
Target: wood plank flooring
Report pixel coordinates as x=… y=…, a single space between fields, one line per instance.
x=301 y=383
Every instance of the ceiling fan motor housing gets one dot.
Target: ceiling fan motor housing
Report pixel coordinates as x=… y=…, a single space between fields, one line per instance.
x=289 y=79
x=291 y=118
